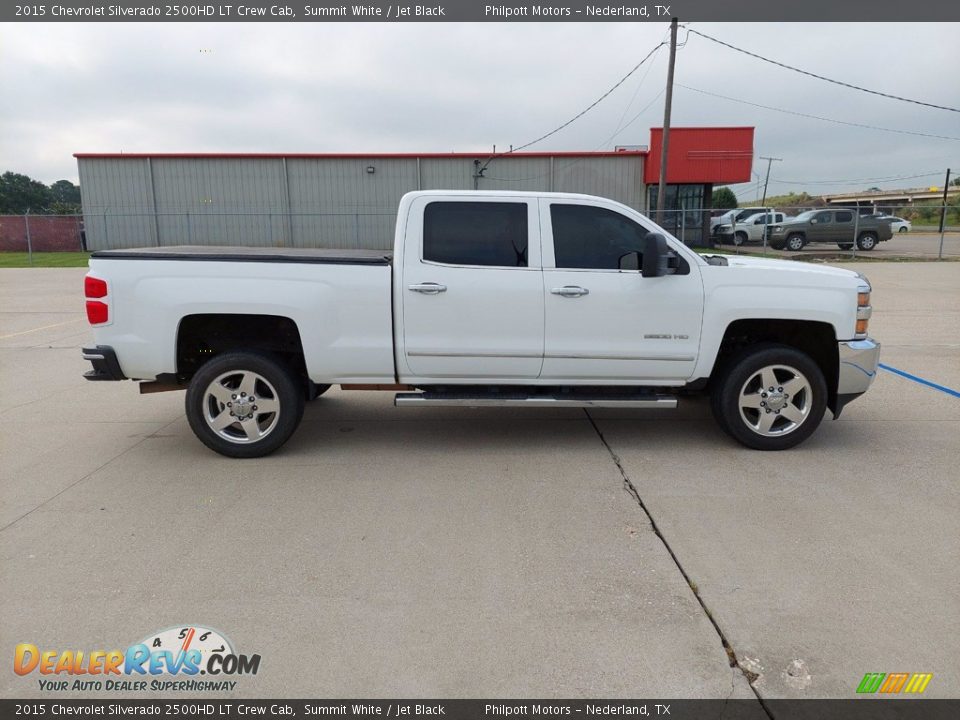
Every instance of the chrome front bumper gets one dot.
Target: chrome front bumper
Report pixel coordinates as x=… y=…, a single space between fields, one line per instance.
x=858 y=366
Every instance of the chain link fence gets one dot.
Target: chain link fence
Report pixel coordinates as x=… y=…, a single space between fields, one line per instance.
x=826 y=231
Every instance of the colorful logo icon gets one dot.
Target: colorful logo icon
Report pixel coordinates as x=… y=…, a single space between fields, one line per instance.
x=892 y=683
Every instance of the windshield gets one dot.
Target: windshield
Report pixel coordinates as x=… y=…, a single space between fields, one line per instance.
x=806 y=215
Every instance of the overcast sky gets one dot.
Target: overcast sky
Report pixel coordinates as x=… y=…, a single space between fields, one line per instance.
x=315 y=87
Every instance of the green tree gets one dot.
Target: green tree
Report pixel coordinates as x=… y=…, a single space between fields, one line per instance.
x=19 y=193
x=64 y=191
x=723 y=199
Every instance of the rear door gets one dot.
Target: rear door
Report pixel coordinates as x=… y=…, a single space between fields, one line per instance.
x=608 y=325
x=843 y=226
x=472 y=288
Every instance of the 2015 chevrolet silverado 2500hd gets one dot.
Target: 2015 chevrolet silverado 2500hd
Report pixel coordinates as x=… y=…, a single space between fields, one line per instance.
x=488 y=298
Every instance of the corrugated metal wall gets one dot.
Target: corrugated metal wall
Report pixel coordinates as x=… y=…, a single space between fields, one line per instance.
x=308 y=201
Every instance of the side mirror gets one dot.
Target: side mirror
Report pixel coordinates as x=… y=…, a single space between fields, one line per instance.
x=656 y=256
x=630 y=261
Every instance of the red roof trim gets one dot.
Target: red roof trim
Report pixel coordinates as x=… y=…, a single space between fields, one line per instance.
x=706 y=127
x=358 y=156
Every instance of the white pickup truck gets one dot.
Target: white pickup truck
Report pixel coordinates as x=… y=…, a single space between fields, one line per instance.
x=488 y=298
x=751 y=229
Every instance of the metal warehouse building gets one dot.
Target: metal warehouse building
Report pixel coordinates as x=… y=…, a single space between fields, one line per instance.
x=350 y=200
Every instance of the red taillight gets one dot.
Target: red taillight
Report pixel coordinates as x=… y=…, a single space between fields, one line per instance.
x=97 y=312
x=94 y=287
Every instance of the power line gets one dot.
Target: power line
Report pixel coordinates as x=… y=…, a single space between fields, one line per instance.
x=635 y=93
x=478 y=173
x=818 y=117
x=602 y=145
x=591 y=106
x=821 y=77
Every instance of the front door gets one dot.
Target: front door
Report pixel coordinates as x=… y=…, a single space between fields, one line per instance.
x=608 y=325
x=472 y=289
x=821 y=227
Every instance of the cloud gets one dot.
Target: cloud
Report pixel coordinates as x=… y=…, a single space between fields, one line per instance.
x=368 y=87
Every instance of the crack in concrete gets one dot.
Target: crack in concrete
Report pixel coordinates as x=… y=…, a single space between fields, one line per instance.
x=727 y=647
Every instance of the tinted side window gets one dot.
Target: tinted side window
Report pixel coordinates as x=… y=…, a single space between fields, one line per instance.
x=592 y=237
x=476 y=233
x=823 y=217
x=844 y=217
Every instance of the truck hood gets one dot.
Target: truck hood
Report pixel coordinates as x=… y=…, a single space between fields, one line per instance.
x=745 y=261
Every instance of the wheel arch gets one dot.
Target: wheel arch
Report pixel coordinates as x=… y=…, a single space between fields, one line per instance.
x=204 y=336
x=815 y=338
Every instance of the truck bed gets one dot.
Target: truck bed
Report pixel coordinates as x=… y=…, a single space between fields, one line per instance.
x=322 y=256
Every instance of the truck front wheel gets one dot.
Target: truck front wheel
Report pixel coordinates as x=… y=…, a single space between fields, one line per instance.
x=771 y=397
x=244 y=404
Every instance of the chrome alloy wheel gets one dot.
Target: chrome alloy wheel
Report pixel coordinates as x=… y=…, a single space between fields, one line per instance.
x=775 y=400
x=241 y=406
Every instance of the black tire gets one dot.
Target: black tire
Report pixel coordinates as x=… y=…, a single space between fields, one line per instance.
x=210 y=393
x=739 y=238
x=845 y=246
x=735 y=387
x=795 y=242
x=866 y=242
x=902 y=229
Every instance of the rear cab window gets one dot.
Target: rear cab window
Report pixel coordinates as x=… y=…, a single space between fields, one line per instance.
x=484 y=234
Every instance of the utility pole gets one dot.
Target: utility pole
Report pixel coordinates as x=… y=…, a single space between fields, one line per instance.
x=943 y=213
x=770 y=161
x=665 y=140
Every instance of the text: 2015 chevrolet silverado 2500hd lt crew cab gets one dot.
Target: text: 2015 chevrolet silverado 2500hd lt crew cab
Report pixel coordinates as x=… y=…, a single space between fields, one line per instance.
x=489 y=298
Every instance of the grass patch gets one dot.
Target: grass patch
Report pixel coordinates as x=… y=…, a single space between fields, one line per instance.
x=44 y=259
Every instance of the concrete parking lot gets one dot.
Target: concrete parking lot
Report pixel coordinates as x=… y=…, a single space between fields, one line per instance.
x=486 y=553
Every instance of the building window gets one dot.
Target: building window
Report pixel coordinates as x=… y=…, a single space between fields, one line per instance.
x=682 y=209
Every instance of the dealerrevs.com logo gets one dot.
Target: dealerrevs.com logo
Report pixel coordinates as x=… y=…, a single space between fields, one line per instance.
x=169 y=660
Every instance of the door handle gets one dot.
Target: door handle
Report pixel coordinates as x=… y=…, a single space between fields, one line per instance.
x=428 y=288
x=570 y=291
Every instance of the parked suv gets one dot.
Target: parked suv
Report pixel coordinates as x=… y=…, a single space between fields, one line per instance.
x=834 y=226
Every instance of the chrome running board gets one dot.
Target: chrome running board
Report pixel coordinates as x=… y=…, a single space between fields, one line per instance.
x=563 y=400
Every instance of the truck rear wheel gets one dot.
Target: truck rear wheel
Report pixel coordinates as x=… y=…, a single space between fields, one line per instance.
x=771 y=397
x=244 y=404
